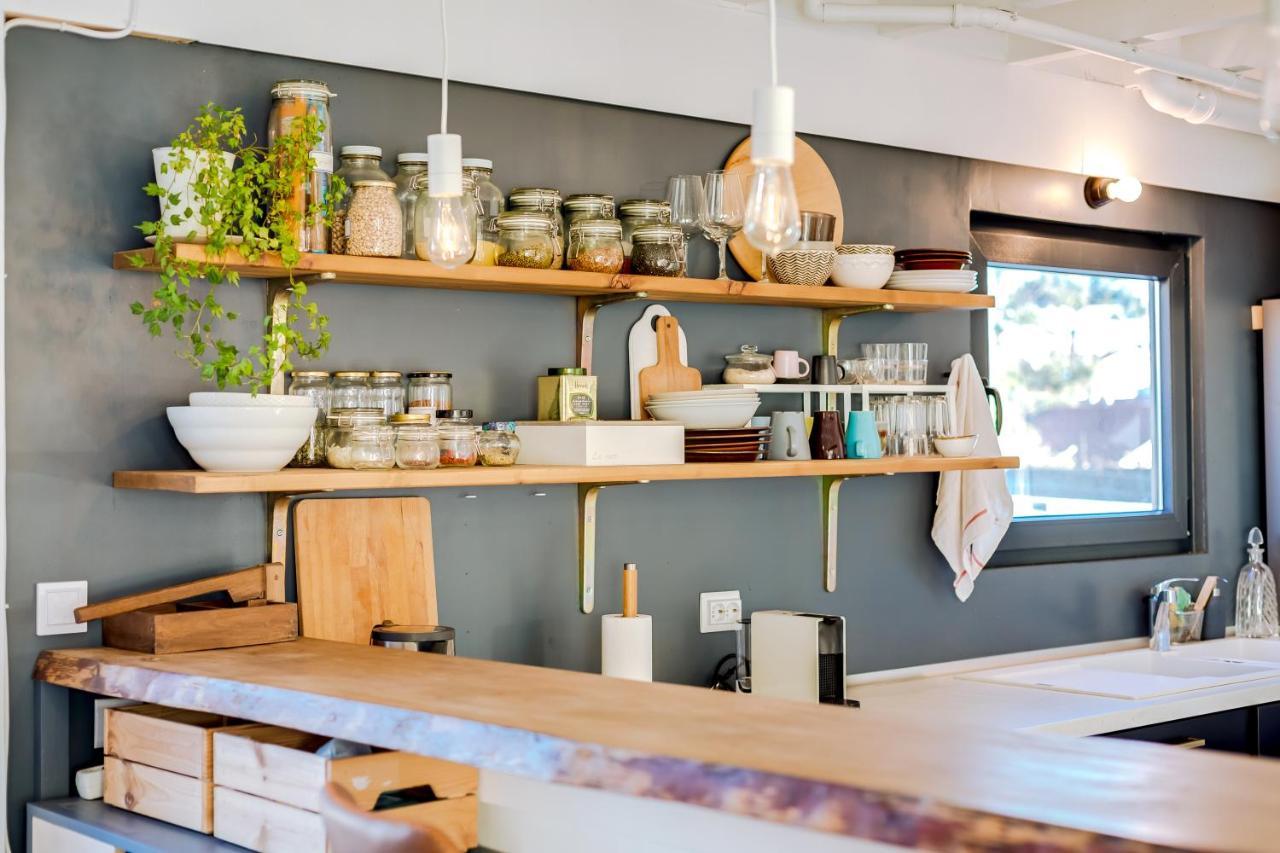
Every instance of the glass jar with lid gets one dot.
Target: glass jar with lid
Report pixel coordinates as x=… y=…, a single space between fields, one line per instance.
x=458 y=445
x=498 y=445
x=587 y=206
x=408 y=166
x=386 y=392
x=422 y=223
x=541 y=200
x=491 y=203
x=458 y=417
x=350 y=390
x=430 y=392
x=374 y=224
x=291 y=100
x=595 y=245
x=313 y=384
x=657 y=250
x=360 y=439
x=417 y=441
x=641 y=211
x=526 y=238
x=358 y=163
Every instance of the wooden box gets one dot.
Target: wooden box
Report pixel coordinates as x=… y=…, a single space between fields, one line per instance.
x=161 y=794
x=171 y=628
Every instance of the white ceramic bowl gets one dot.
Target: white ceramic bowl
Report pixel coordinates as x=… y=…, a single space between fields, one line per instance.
x=242 y=439
x=244 y=398
x=717 y=415
x=868 y=272
x=955 y=446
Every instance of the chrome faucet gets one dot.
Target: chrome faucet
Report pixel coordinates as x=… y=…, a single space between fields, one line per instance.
x=1164 y=601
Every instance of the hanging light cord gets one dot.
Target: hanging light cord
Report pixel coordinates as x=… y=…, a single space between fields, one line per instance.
x=64 y=27
x=773 y=42
x=444 y=70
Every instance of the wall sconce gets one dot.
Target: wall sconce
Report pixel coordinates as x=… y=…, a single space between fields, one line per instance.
x=1100 y=191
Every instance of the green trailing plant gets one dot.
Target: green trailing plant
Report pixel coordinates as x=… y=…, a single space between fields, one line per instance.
x=252 y=198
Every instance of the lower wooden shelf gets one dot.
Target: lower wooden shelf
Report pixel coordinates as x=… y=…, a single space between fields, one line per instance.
x=297 y=480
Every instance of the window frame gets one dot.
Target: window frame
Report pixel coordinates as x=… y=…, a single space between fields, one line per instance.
x=1010 y=242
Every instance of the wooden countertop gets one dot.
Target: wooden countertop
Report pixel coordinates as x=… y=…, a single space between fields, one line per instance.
x=847 y=771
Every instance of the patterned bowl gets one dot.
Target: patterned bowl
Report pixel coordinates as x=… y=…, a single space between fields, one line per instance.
x=864 y=249
x=811 y=267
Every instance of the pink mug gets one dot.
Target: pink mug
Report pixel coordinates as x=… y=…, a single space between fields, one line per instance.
x=786 y=364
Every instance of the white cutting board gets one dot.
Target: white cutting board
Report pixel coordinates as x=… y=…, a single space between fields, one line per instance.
x=642 y=350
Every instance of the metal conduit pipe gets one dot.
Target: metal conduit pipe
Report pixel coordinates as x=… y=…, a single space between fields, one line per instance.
x=1198 y=104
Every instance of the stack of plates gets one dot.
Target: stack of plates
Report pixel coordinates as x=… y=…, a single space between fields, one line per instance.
x=720 y=408
x=748 y=444
x=932 y=259
x=941 y=281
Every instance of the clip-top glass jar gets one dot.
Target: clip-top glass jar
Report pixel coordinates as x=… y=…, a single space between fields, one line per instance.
x=359 y=163
x=541 y=200
x=526 y=239
x=350 y=390
x=373 y=222
x=313 y=384
x=408 y=166
x=430 y=392
x=417 y=442
x=587 y=206
x=458 y=446
x=641 y=211
x=595 y=245
x=291 y=100
x=491 y=204
x=386 y=392
x=498 y=444
x=422 y=214
x=360 y=439
x=657 y=250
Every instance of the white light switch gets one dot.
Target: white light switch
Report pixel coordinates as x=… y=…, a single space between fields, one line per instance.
x=56 y=604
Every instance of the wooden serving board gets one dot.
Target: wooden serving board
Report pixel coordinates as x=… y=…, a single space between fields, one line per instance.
x=363 y=561
x=669 y=374
x=816 y=189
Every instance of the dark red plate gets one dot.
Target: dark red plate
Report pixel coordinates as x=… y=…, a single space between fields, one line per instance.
x=933 y=264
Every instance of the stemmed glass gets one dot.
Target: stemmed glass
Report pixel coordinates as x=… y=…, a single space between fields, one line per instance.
x=684 y=192
x=722 y=212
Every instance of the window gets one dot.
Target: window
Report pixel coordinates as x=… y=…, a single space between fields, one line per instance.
x=1088 y=348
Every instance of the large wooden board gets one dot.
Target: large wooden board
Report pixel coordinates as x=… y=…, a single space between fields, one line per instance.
x=363 y=561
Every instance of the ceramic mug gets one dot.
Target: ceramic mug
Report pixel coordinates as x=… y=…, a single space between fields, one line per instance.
x=826 y=441
x=862 y=438
x=827 y=370
x=786 y=364
x=787 y=441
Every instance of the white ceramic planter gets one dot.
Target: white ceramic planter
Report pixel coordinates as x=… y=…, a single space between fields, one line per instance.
x=242 y=439
x=188 y=228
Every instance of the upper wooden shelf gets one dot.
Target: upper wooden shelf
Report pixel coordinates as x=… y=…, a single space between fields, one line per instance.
x=299 y=480
x=349 y=269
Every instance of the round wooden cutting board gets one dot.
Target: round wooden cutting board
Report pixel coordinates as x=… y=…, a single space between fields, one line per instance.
x=815 y=189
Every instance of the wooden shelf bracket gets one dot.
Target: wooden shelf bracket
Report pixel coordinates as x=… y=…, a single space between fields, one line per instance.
x=278 y=292
x=833 y=317
x=588 y=494
x=278 y=538
x=588 y=308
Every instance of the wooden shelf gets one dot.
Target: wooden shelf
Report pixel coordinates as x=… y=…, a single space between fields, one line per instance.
x=298 y=480
x=348 y=269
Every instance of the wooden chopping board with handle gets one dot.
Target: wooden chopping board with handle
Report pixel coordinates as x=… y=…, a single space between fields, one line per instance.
x=669 y=374
x=363 y=561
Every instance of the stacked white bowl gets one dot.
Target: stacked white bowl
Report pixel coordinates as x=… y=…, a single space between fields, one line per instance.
x=719 y=408
x=242 y=433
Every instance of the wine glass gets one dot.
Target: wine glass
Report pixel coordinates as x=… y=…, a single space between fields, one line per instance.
x=684 y=192
x=722 y=212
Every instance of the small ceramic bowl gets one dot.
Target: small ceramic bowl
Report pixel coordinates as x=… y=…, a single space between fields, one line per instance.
x=869 y=272
x=798 y=266
x=955 y=446
x=864 y=249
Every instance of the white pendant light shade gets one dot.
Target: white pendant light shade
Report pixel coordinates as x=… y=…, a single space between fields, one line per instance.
x=772 y=222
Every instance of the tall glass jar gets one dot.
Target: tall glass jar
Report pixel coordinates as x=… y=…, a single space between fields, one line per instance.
x=360 y=439
x=595 y=245
x=408 y=166
x=430 y=392
x=587 y=206
x=458 y=446
x=313 y=384
x=373 y=223
x=641 y=211
x=657 y=250
x=290 y=100
x=526 y=239
x=349 y=390
x=422 y=214
x=359 y=163
x=417 y=442
x=491 y=204
x=386 y=392
x=542 y=200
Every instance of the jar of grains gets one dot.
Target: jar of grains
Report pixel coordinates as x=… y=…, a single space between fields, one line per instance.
x=292 y=100
x=417 y=442
x=498 y=445
x=657 y=250
x=313 y=384
x=408 y=166
x=360 y=439
x=359 y=163
x=640 y=211
x=491 y=203
x=386 y=391
x=542 y=200
x=526 y=239
x=374 y=224
x=458 y=447
x=595 y=245
x=587 y=206
x=430 y=392
x=350 y=390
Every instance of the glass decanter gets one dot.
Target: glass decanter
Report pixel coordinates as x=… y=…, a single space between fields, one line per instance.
x=1256 y=594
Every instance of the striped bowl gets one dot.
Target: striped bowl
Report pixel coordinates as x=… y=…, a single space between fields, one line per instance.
x=863 y=249
x=810 y=267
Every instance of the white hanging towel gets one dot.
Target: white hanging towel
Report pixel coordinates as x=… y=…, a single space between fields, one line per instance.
x=974 y=507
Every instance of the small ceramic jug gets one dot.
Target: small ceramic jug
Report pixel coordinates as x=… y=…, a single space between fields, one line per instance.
x=862 y=438
x=826 y=440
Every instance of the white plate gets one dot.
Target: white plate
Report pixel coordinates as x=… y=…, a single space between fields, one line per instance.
x=708 y=393
x=934 y=286
x=943 y=274
x=680 y=401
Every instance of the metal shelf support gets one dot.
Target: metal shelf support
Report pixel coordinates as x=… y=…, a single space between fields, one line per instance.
x=277 y=504
x=278 y=292
x=833 y=317
x=588 y=494
x=588 y=308
x=830 y=530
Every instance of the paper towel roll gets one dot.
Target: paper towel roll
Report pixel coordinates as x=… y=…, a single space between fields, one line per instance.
x=626 y=646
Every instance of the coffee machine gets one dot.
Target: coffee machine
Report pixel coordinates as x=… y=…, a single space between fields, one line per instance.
x=798 y=656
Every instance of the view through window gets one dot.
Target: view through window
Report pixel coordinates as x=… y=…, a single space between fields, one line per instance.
x=1076 y=358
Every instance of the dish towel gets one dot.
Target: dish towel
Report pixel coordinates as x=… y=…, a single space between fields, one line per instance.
x=974 y=507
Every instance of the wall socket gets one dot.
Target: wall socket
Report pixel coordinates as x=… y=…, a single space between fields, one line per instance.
x=719 y=611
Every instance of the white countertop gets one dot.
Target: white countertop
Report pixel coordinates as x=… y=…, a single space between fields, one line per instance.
x=933 y=693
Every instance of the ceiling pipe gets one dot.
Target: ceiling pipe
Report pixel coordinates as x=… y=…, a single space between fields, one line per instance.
x=959 y=15
x=1198 y=104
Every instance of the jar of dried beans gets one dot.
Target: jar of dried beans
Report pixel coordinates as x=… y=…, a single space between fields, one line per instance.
x=525 y=239
x=374 y=224
x=657 y=250
x=595 y=245
x=359 y=163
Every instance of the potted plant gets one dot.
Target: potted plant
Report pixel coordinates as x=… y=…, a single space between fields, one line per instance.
x=218 y=189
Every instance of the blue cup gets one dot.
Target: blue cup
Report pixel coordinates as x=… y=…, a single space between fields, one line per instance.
x=861 y=438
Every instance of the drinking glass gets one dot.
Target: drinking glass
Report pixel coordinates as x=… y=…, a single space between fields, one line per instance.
x=893 y=363
x=722 y=212
x=877 y=355
x=742 y=671
x=913 y=363
x=684 y=192
x=939 y=417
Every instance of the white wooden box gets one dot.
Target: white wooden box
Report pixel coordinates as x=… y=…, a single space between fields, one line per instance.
x=600 y=443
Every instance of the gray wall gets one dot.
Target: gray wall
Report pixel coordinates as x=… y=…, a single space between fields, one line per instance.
x=87 y=387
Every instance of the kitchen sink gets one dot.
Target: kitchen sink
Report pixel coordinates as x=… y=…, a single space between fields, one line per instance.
x=1233 y=648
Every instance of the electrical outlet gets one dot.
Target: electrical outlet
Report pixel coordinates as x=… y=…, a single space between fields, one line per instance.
x=99 y=707
x=719 y=611
x=56 y=605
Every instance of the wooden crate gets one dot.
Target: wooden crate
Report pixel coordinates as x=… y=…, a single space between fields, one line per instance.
x=166 y=738
x=162 y=794
x=171 y=628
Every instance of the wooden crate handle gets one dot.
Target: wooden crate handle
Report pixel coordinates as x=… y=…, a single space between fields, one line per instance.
x=241 y=585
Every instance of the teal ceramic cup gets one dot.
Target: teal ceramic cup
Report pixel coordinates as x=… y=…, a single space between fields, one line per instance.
x=861 y=438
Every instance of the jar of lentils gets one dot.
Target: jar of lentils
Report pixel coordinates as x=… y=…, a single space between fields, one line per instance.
x=595 y=245
x=417 y=442
x=640 y=211
x=526 y=239
x=541 y=200
x=374 y=223
x=430 y=392
x=657 y=250
x=359 y=163
x=458 y=447
x=408 y=166
x=350 y=390
x=360 y=439
x=313 y=384
x=386 y=391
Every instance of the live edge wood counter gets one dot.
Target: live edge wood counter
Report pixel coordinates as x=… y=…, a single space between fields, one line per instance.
x=832 y=769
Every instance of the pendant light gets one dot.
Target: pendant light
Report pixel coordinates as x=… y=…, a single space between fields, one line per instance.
x=772 y=222
x=450 y=220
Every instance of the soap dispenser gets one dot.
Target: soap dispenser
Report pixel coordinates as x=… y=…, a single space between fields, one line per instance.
x=1256 y=594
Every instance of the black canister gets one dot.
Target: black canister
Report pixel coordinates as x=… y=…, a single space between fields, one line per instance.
x=437 y=639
